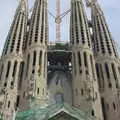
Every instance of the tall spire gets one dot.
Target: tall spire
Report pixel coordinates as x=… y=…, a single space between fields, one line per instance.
x=11 y=64
x=84 y=74
x=38 y=32
x=78 y=17
x=103 y=41
x=36 y=53
x=107 y=60
x=15 y=38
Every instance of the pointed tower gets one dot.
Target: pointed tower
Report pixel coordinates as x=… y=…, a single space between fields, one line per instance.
x=107 y=60
x=85 y=87
x=15 y=39
x=35 y=72
x=12 y=58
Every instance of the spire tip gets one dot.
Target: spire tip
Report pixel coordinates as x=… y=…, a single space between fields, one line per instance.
x=90 y=2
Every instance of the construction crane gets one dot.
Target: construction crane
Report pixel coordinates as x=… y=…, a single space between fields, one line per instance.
x=58 y=19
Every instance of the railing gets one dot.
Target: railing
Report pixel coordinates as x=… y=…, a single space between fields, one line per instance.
x=61 y=68
x=59 y=46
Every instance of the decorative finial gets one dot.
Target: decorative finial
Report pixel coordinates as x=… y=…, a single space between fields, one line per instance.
x=89 y=3
x=24 y=2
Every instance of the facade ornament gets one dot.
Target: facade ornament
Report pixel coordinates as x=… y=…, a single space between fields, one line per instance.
x=91 y=95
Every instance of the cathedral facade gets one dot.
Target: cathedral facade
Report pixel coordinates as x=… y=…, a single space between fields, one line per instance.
x=78 y=80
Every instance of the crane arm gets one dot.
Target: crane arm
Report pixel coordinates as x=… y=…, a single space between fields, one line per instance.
x=65 y=13
x=58 y=19
x=51 y=14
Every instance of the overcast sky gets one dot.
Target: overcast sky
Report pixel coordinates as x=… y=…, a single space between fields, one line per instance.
x=111 y=10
